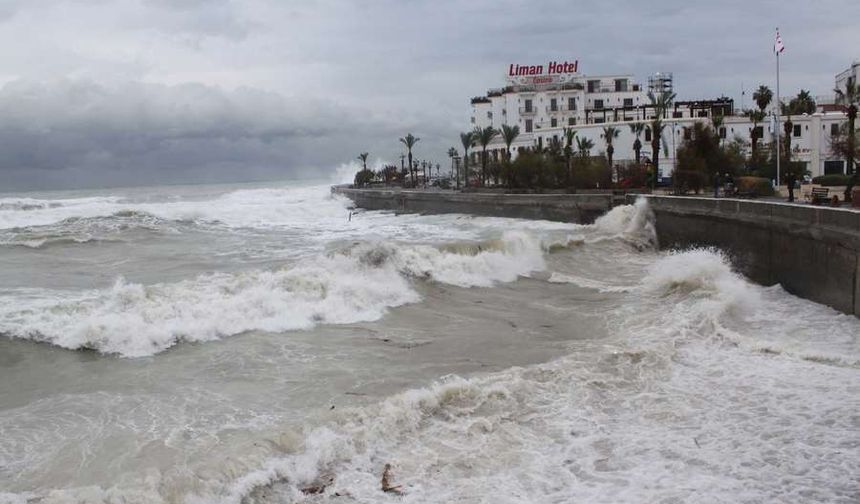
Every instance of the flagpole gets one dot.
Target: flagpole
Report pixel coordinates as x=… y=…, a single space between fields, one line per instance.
x=777 y=128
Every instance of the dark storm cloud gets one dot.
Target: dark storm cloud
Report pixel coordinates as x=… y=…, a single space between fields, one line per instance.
x=70 y=132
x=149 y=91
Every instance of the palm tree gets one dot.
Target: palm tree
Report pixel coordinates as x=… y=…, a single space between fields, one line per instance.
x=851 y=97
x=717 y=122
x=409 y=141
x=569 y=135
x=452 y=153
x=763 y=96
x=661 y=104
x=509 y=134
x=787 y=127
x=803 y=103
x=484 y=137
x=609 y=134
x=584 y=146
x=637 y=129
x=363 y=158
x=756 y=116
x=467 y=138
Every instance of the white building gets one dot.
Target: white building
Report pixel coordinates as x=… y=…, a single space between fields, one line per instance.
x=849 y=75
x=543 y=100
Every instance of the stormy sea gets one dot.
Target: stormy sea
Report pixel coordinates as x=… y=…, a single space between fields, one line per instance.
x=267 y=343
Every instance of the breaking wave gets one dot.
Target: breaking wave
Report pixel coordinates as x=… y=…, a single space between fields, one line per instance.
x=357 y=284
x=82 y=230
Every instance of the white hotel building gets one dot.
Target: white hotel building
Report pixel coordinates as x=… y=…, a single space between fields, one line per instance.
x=544 y=99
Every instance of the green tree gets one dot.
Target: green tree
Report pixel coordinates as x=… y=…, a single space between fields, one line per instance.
x=467 y=139
x=661 y=103
x=484 y=137
x=763 y=96
x=409 y=141
x=363 y=158
x=509 y=134
x=569 y=135
x=803 y=103
x=609 y=134
x=452 y=153
x=584 y=146
x=637 y=128
x=756 y=117
x=717 y=122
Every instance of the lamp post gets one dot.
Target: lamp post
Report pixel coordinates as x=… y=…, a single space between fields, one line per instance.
x=457 y=165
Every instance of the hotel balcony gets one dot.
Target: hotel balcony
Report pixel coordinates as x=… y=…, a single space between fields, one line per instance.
x=560 y=109
x=528 y=111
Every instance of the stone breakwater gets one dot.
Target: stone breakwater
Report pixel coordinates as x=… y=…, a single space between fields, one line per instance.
x=813 y=252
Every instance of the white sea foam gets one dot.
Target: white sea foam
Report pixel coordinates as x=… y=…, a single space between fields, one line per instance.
x=359 y=284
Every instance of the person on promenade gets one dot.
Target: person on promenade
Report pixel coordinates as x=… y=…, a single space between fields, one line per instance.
x=717 y=185
x=790 y=180
x=730 y=185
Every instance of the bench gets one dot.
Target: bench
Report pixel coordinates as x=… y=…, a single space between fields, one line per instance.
x=820 y=195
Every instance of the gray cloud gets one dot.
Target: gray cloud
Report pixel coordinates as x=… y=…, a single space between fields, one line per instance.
x=149 y=91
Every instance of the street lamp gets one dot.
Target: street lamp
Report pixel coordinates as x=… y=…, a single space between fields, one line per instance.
x=457 y=165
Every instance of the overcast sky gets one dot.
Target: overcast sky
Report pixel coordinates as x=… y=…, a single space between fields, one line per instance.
x=110 y=92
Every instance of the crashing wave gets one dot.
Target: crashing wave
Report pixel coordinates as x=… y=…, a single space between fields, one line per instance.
x=358 y=284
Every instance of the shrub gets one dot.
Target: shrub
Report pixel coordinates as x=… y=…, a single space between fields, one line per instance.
x=755 y=186
x=364 y=177
x=688 y=180
x=832 y=180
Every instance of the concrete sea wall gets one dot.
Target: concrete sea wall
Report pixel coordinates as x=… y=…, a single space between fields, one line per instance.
x=580 y=208
x=813 y=252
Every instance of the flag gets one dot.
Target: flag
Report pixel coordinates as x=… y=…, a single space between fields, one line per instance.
x=777 y=46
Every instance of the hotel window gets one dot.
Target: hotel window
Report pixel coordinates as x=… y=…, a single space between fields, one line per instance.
x=647 y=134
x=571 y=121
x=553 y=104
x=723 y=133
x=620 y=85
x=688 y=134
x=677 y=115
x=528 y=107
x=489 y=115
x=796 y=130
x=553 y=123
x=834 y=129
x=473 y=119
x=628 y=102
x=593 y=85
x=598 y=104
x=599 y=120
x=571 y=104
x=528 y=125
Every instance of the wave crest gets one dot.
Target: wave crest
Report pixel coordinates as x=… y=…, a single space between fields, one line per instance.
x=358 y=284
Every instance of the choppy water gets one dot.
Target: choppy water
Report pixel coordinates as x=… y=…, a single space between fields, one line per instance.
x=253 y=343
